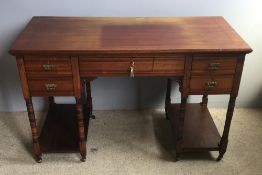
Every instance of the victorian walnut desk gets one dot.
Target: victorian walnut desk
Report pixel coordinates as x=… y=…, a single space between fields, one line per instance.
x=59 y=56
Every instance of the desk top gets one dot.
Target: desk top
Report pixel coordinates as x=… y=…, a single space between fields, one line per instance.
x=74 y=35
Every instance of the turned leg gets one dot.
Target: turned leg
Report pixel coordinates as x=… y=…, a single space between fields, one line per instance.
x=204 y=100
x=81 y=128
x=180 y=126
x=168 y=99
x=89 y=100
x=51 y=101
x=224 y=140
x=31 y=116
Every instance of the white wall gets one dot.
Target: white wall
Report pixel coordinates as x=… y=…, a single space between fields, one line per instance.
x=125 y=93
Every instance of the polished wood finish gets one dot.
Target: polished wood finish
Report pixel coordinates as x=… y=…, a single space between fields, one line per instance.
x=60 y=56
x=169 y=66
x=213 y=65
x=203 y=84
x=84 y=35
x=60 y=130
x=200 y=132
x=63 y=87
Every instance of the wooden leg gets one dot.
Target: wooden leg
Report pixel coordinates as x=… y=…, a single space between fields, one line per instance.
x=168 y=99
x=81 y=128
x=204 y=100
x=89 y=100
x=180 y=127
x=31 y=116
x=51 y=101
x=224 y=140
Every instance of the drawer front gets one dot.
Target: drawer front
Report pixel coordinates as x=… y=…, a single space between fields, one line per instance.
x=211 y=85
x=169 y=65
x=104 y=66
x=47 y=87
x=141 y=66
x=214 y=65
x=47 y=66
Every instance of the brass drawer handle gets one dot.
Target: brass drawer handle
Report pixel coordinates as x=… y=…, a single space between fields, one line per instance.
x=213 y=66
x=48 y=67
x=50 y=87
x=211 y=84
x=132 y=66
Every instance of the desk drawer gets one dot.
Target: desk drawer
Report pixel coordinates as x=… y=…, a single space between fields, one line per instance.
x=114 y=66
x=47 y=66
x=214 y=65
x=142 y=66
x=47 y=87
x=211 y=85
x=169 y=65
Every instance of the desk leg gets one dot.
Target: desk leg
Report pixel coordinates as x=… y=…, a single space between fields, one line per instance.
x=168 y=99
x=224 y=140
x=51 y=101
x=204 y=100
x=89 y=99
x=179 y=137
x=31 y=116
x=81 y=128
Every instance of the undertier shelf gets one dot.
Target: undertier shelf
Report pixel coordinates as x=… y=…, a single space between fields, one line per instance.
x=199 y=132
x=60 y=131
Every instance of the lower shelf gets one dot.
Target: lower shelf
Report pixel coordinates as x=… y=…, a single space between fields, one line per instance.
x=60 y=131
x=199 y=132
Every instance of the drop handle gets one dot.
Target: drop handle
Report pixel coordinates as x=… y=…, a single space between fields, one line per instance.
x=48 y=67
x=211 y=84
x=132 y=66
x=213 y=66
x=50 y=86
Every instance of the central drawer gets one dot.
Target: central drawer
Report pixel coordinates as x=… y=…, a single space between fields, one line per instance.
x=143 y=66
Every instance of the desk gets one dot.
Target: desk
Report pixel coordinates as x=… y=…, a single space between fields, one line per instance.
x=59 y=56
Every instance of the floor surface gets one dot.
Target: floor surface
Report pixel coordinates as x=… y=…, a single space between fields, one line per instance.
x=134 y=142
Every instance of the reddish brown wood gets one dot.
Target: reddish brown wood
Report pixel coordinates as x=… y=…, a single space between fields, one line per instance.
x=51 y=101
x=168 y=98
x=125 y=35
x=203 y=65
x=89 y=99
x=200 y=132
x=224 y=140
x=81 y=129
x=60 y=131
x=23 y=78
x=31 y=116
x=63 y=87
x=199 y=84
x=62 y=50
x=204 y=100
x=79 y=107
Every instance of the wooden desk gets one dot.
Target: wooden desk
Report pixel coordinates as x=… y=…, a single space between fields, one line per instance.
x=59 y=56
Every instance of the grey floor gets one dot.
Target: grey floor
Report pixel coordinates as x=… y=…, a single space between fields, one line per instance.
x=134 y=142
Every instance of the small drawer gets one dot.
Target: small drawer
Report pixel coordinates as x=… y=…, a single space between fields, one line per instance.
x=214 y=65
x=169 y=65
x=211 y=85
x=47 y=87
x=47 y=66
